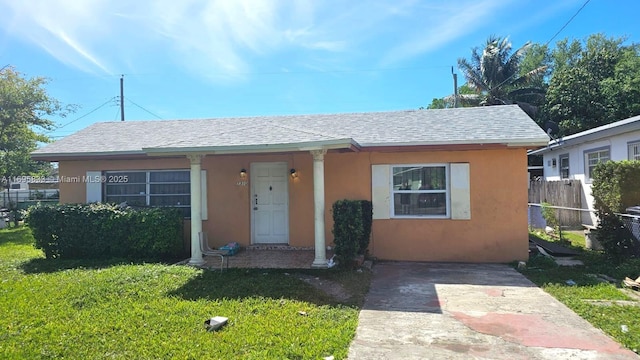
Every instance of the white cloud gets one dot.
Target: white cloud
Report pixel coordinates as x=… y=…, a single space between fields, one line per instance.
x=441 y=25
x=225 y=40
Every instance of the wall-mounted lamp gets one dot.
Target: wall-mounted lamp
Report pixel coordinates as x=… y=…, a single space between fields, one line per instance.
x=294 y=173
x=243 y=173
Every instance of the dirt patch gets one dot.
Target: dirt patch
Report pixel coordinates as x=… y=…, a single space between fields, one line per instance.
x=329 y=287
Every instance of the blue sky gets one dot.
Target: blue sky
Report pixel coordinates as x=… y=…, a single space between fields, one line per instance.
x=227 y=58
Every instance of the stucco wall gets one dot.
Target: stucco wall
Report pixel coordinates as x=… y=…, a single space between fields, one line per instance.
x=497 y=231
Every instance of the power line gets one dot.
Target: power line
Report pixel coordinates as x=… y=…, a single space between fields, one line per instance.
x=83 y=116
x=567 y=23
x=152 y=114
x=553 y=37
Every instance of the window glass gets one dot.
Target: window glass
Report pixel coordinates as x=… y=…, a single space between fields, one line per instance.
x=126 y=189
x=169 y=176
x=169 y=189
x=164 y=188
x=129 y=177
x=594 y=158
x=564 y=166
x=634 y=151
x=420 y=191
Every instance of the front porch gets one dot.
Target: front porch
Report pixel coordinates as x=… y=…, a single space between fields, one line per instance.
x=266 y=257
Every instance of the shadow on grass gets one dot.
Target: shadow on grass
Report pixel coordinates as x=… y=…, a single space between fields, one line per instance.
x=41 y=265
x=20 y=235
x=246 y=283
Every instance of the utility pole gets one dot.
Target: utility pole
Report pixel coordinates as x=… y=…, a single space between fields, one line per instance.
x=122 y=97
x=455 y=88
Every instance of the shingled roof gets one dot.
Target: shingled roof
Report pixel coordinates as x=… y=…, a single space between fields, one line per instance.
x=506 y=125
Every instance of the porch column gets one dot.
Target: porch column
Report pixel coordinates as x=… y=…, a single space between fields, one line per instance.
x=196 y=210
x=320 y=260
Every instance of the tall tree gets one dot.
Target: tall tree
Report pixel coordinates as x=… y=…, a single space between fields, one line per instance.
x=24 y=110
x=494 y=72
x=593 y=83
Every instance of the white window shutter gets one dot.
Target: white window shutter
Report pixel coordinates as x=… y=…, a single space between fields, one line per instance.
x=460 y=191
x=203 y=190
x=380 y=191
x=94 y=186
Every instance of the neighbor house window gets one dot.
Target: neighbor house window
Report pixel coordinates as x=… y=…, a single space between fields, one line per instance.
x=149 y=188
x=634 y=150
x=564 y=166
x=420 y=191
x=593 y=158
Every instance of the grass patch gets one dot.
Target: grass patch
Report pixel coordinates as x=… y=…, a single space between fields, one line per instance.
x=95 y=310
x=605 y=305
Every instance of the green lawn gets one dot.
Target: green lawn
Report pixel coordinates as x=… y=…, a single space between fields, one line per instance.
x=96 y=310
x=605 y=305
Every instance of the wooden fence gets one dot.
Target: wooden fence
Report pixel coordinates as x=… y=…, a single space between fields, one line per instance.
x=565 y=193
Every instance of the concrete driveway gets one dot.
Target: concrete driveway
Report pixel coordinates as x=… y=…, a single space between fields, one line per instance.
x=470 y=311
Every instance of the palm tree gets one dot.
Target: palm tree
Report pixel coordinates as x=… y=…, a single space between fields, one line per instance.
x=495 y=76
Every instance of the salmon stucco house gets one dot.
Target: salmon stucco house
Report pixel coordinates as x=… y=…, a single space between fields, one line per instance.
x=446 y=185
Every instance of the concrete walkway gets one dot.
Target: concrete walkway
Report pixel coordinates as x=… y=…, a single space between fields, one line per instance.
x=470 y=311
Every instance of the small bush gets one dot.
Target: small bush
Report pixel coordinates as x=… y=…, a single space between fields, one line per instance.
x=93 y=231
x=352 y=221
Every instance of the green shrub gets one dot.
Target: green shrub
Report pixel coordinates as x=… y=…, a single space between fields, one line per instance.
x=92 y=231
x=367 y=221
x=615 y=187
x=351 y=228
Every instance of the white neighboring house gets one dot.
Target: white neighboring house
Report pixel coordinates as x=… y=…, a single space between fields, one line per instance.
x=575 y=156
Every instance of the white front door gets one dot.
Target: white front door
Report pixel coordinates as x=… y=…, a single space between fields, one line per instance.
x=269 y=203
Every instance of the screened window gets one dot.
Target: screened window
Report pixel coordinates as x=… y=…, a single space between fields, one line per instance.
x=420 y=191
x=564 y=166
x=149 y=188
x=634 y=150
x=593 y=158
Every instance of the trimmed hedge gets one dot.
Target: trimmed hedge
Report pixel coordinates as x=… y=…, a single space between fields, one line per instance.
x=352 y=221
x=93 y=231
x=615 y=187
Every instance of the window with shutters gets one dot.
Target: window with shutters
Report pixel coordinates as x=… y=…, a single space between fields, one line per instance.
x=420 y=191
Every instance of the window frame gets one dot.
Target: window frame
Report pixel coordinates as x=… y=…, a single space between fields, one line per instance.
x=148 y=183
x=446 y=191
x=560 y=167
x=586 y=153
x=630 y=146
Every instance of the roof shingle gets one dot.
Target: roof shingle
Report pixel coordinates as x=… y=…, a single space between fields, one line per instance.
x=494 y=124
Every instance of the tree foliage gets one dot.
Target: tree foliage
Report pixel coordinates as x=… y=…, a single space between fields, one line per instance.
x=594 y=83
x=494 y=72
x=25 y=108
x=578 y=84
x=466 y=98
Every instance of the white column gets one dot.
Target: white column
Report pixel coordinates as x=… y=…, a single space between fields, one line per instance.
x=320 y=260
x=196 y=210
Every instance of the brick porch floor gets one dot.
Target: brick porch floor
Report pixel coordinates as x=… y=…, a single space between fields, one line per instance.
x=267 y=257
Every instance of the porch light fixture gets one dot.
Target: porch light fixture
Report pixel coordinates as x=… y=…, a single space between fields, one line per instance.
x=243 y=173
x=294 y=173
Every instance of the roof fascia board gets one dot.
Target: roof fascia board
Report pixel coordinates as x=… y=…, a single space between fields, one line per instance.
x=249 y=149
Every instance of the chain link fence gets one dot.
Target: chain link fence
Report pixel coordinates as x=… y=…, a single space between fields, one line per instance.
x=589 y=220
